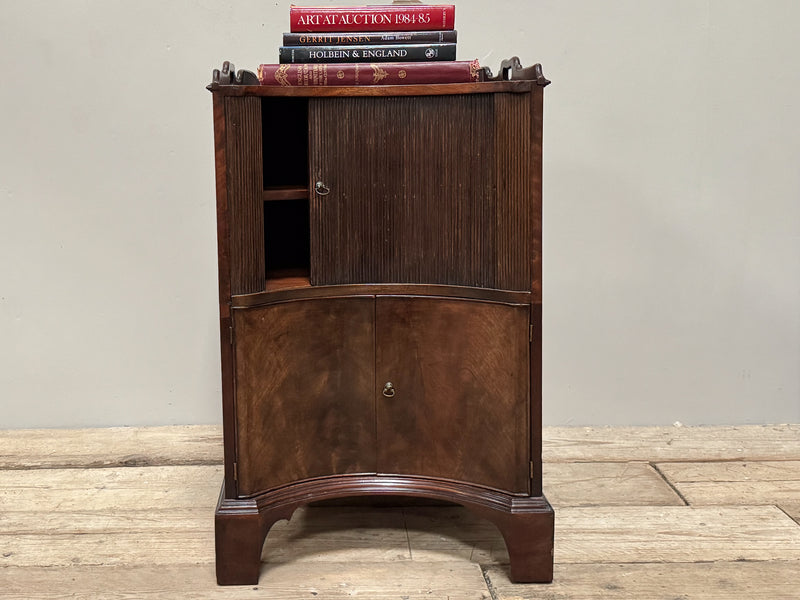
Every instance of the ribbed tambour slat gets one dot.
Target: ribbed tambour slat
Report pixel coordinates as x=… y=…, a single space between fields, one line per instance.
x=422 y=190
x=440 y=216
x=515 y=202
x=245 y=193
x=347 y=154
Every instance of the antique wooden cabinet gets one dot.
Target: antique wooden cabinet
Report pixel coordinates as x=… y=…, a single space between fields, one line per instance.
x=380 y=303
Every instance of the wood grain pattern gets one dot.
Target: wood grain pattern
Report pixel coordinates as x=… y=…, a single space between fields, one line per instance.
x=305 y=395
x=461 y=405
x=245 y=194
x=735 y=482
x=675 y=534
x=133 y=512
x=359 y=575
x=791 y=508
x=618 y=534
x=657 y=581
x=661 y=444
x=111 y=447
x=202 y=444
x=732 y=472
x=171 y=547
x=606 y=484
x=338 y=535
x=109 y=489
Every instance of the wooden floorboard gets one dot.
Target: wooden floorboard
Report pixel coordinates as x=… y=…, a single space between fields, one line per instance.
x=618 y=534
x=748 y=483
x=663 y=444
x=607 y=484
x=202 y=444
x=791 y=508
x=50 y=490
x=128 y=513
x=371 y=581
x=109 y=447
x=675 y=534
x=773 y=580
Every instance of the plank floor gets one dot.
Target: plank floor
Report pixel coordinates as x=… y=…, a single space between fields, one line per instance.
x=641 y=513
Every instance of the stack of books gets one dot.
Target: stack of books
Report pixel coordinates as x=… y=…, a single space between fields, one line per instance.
x=370 y=45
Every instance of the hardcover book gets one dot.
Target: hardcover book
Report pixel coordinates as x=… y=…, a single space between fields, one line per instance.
x=393 y=73
x=410 y=17
x=378 y=53
x=369 y=38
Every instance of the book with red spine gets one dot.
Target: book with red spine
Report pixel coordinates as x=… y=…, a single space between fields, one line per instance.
x=393 y=17
x=391 y=73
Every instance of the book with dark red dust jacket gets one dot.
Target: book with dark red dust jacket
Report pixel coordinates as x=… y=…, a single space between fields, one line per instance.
x=393 y=17
x=390 y=73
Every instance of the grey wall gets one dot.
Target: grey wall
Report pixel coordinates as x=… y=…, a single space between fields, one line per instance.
x=672 y=205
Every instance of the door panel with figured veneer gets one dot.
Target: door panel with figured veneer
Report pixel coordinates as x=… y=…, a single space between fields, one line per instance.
x=305 y=405
x=458 y=404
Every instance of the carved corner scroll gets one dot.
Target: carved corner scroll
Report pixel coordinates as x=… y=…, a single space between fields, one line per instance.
x=511 y=69
x=229 y=76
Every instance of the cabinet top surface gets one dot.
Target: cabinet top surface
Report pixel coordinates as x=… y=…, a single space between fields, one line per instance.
x=512 y=78
x=439 y=89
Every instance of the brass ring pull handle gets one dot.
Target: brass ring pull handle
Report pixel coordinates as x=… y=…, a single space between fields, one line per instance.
x=322 y=189
x=388 y=390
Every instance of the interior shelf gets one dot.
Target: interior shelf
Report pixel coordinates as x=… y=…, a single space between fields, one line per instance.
x=287 y=279
x=286 y=192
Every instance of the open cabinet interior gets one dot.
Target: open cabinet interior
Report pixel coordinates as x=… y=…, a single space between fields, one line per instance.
x=284 y=135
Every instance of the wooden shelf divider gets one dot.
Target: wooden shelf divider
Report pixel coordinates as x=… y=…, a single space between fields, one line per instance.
x=288 y=192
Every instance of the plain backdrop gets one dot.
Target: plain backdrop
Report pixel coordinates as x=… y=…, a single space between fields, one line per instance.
x=671 y=195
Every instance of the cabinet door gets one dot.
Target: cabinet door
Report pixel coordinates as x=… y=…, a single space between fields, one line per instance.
x=459 y=399
x=305 y=403
x=426 y=189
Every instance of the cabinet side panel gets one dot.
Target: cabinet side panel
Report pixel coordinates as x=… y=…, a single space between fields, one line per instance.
x=245 y=194
x=223 y=241
x=304 y=394
x=515 y=201
x=537 y=102
x=459 y=371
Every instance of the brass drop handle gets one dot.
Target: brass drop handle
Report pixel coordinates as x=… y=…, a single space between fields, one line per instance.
x=322 y=189
x=388 y=389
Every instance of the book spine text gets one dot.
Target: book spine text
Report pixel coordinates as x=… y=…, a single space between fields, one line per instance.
x=350 y=54
x=366 y=38
x=372 y=18
x=392 y=73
